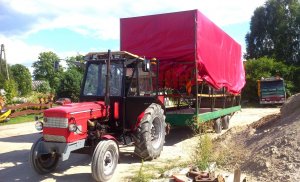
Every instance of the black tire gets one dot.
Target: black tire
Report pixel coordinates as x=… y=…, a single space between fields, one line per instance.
x=42 y=163
x=225 y=122
x=150 y=135
x=218 y=125
x=105 y=160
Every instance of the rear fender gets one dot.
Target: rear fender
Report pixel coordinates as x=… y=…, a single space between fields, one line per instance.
x=138 y=122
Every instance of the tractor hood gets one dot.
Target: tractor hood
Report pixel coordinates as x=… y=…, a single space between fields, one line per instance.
x=88 y=110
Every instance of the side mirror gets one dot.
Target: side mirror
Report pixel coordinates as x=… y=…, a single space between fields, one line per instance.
x=146 y=65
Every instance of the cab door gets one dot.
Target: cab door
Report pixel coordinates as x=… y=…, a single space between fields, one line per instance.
x=140 y=91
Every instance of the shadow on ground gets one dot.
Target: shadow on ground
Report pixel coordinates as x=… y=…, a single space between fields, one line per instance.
x=178 y=134
x=27 y=138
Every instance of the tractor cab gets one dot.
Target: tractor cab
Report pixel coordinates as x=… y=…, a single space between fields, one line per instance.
x=128 y=83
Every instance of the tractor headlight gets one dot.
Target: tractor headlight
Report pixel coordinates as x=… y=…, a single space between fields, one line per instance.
x=72 y=127
x=39 y=126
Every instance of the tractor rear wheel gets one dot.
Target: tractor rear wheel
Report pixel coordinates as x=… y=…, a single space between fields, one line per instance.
x=105 y=160
x=150 y=135
x=42 y=163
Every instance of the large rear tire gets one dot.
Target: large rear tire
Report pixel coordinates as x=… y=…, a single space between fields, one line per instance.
x=150 y=135
x=105 y=160
x=42 y=163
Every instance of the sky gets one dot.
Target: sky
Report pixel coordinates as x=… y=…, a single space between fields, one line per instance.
x=71 y=27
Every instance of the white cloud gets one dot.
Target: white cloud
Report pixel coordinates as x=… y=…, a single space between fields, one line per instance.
x=100 y=19
x=18 y=52
x=88 y=17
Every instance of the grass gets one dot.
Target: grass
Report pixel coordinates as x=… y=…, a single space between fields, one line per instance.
x=20 y=119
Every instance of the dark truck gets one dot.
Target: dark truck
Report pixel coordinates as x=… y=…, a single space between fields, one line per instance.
x=271 y=90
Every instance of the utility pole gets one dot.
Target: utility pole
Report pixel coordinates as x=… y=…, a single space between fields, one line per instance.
x=4 y=60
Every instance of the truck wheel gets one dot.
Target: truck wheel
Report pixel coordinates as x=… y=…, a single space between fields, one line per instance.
x=225 y=122
x=105 y=160
x=218 y=125
x=150 y=135
x=42 y=163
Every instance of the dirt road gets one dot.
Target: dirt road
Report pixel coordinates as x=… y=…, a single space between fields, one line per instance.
x=16 y=141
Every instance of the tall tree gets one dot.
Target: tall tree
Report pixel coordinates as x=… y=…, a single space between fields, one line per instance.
x=44 y=69
x=275 y=31
x=22 y=77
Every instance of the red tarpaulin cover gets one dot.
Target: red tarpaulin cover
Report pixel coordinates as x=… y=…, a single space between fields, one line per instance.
x=181 y=39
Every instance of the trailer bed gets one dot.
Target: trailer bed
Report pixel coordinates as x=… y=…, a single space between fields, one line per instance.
x=184 y=117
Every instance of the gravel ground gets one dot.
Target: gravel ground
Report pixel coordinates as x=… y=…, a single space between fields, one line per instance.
x=16 y=141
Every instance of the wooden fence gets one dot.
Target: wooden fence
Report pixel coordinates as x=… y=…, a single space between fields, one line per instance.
x=28 y=108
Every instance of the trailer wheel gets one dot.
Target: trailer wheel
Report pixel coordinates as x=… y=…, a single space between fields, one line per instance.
x=225 y=122
x=105 y=160
x=150 y=135
x=218 y=125
x=42 y=163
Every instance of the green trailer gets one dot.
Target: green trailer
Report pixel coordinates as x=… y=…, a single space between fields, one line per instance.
x=216 y=109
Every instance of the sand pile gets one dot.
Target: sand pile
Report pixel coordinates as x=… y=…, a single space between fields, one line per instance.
x=269 y=149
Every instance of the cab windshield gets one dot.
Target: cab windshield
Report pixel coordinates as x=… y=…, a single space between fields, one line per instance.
x=94 y=84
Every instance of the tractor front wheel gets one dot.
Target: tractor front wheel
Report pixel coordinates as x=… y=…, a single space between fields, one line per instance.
x=40 y=162
x=105 y=160
x=150 y=135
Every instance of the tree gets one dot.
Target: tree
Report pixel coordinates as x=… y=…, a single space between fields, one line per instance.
x=22 y=77
x=275 y=31
x=44 y=69
x=44 y=87
x=76 y=62
x=70 y=84
x=265 y=67
x=10 y=88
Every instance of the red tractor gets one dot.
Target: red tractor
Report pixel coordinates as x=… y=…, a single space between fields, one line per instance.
x=119 y=103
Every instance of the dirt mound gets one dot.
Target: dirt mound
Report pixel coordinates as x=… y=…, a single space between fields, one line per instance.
x=269 y=149
x=291 y=105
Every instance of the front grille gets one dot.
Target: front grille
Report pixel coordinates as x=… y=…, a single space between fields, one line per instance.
x=54 y=138
x=53 y=122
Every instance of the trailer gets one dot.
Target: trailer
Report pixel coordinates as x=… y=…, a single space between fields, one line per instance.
x=201 y=69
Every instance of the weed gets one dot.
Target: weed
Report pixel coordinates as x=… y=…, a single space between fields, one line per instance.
x=203 y=153
x=141 y=176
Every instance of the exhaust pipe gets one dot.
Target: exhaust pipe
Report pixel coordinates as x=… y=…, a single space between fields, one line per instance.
x=107 y=85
